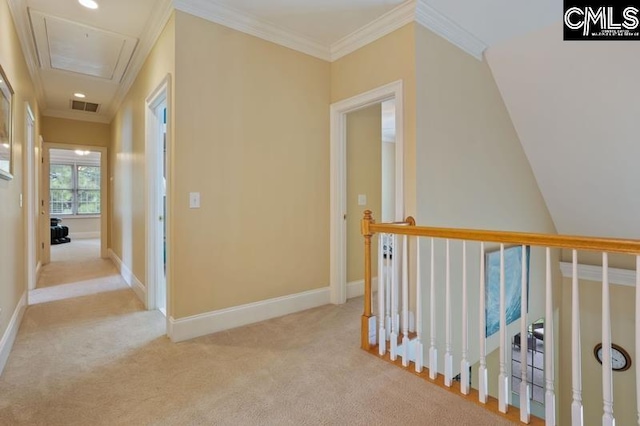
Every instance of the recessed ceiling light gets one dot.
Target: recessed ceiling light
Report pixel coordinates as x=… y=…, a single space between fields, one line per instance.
x=80 y=95
x=89 y=4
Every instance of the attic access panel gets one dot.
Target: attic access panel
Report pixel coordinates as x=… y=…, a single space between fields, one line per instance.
x=70 y=46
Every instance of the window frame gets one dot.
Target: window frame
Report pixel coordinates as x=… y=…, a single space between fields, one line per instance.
x=75 y=189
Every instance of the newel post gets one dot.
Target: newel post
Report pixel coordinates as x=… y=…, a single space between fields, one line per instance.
x=367 y=315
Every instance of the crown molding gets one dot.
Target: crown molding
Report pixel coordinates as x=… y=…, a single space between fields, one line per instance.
x=251 y=25
x=20 y=13
x=594 y=273
x=378 y=28
x=156 y=23
x=430 y=18
x=77 y=115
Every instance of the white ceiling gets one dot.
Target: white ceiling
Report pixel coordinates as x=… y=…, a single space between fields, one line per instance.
x=70 y=49
x=575 y=108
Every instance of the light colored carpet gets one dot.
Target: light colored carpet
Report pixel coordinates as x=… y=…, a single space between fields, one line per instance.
x=101 y=359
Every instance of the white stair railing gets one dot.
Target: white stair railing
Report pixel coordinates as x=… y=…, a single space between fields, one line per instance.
x=395 y=289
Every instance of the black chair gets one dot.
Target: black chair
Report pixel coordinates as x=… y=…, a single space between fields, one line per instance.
x=59 y=233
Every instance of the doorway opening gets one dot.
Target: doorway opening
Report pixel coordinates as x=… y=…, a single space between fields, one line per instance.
x=73 y=224
x=157 y=149
x=371 y=137
x=31 y=208
x=340 y=197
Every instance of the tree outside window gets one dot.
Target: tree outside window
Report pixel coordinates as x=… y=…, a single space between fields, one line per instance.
x=74 y=189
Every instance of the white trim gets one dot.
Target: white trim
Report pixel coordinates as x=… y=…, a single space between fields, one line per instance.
x=378 y=28
x=19 y=11
x=9 y=337
x=160 y=15
x=77 y=115
x=625 y=277
x=338 y=144
x=252 y=25
x=84 y=235
x=430 y=18
x=161 y=94
x=30 y=200
x=132 y=281
x=237 y=316
x=356 y=288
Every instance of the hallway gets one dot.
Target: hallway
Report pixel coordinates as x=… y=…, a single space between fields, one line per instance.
x=99 y=358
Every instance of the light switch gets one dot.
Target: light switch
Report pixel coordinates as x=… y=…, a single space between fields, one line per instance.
x=194 y=200
x=362 y=199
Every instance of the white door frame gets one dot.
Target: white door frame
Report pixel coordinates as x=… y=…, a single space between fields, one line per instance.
x=30 y=198
x=338 y=210
x=104 y=195
x=153 y=155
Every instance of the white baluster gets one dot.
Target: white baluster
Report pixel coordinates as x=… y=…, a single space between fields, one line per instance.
x=549 y=397
x=503 y=378
x=382 y=339
x=607 y=379
x=638 y=334
x=464 y=363
x=448 y=356
x=483 y=383
x=394 y=301
x=405 y=301
x=525 y=391
x=577 y=416
x=419 y=349
x=388 y=274
x=433 y=350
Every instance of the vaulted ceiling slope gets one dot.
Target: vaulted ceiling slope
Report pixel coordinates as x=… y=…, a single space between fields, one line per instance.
x=575 y=108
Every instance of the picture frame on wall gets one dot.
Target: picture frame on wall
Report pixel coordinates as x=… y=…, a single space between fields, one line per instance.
x=6 y=128
x=512 y=281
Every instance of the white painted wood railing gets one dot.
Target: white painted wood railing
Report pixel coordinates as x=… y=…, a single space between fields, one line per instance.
x=397 y=296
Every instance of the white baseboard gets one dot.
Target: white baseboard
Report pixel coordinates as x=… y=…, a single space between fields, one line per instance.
x=138 y=288
x=9 y=337
x=84 y=235
x=237 y=316
x=356 y=288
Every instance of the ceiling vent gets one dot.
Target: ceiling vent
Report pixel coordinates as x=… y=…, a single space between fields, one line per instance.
x=84 y=106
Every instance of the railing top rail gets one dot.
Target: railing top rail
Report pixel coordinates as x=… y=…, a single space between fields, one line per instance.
x=612 y=245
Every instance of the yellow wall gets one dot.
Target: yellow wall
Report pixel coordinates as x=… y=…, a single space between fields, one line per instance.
x=12 y=247
x=76 y=132
x=127 y=157
x=364 y=176
x=252 y=137
x=472 y=173
x=384 y=61
x=622 y=302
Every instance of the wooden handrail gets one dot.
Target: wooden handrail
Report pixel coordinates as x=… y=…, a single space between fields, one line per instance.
x=611 y=245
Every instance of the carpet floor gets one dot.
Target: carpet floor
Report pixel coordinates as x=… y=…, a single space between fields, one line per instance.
x=88 y=353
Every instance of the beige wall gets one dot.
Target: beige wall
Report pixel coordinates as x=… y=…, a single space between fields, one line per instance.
x=127 y=236
x=252 y=137
x=384 y=61
x=622 y=301
x=472 y=170
x=76 y=132
x=12 y=247
x=364 y=176
x=80 y=226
